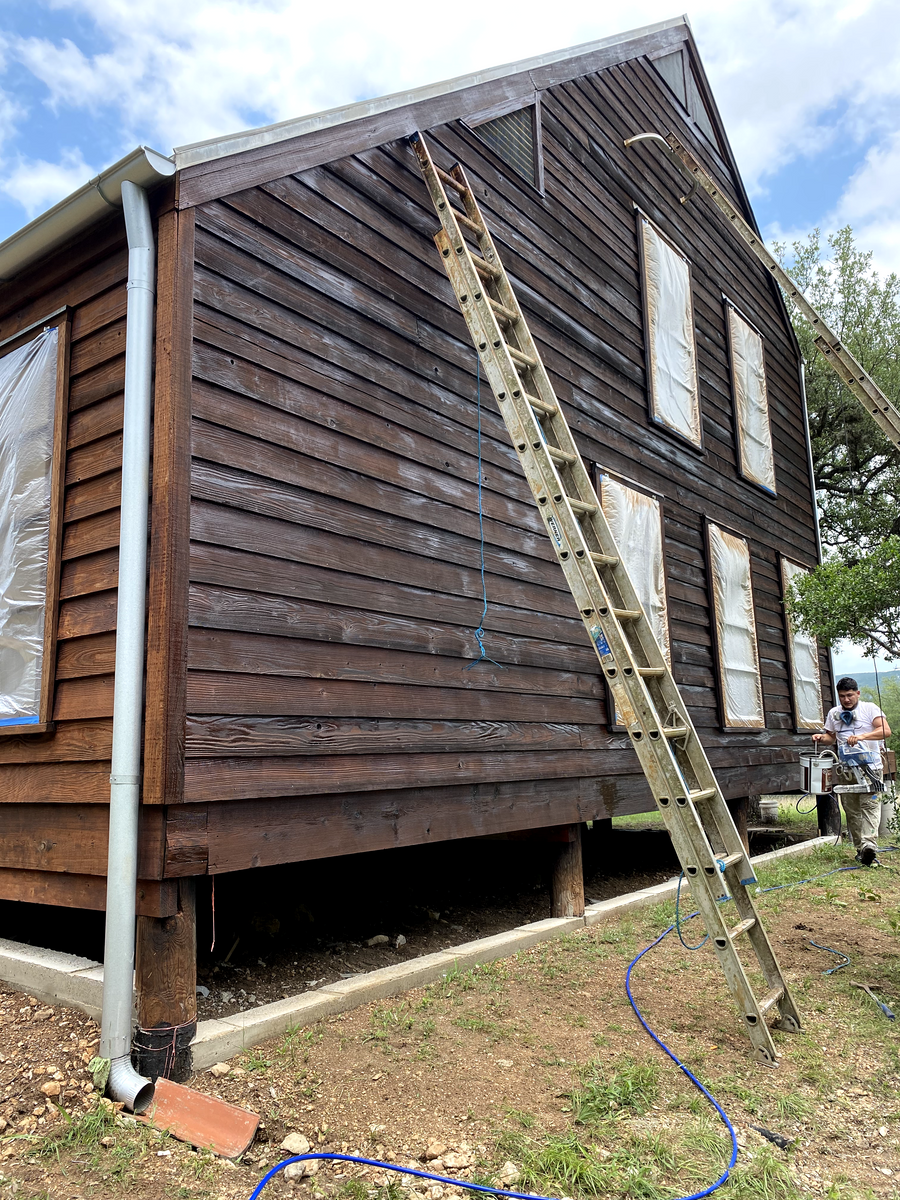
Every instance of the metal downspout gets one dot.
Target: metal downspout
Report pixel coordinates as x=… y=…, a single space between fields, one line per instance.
x=125 y=1084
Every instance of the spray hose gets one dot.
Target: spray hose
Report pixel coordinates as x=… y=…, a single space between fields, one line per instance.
x=495 y=1191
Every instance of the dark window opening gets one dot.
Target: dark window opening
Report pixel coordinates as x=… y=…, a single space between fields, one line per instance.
x=512 y=138
x=678 y=73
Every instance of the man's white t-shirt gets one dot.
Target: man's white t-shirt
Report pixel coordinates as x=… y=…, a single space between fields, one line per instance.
x=864 y=717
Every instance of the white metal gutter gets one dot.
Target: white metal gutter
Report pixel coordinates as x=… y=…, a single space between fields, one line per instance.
x=143 y=167
x=201 y=152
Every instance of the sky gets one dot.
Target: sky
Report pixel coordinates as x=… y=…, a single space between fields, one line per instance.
x=809 y=90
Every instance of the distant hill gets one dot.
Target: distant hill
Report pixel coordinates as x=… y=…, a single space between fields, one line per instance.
x=867 y=678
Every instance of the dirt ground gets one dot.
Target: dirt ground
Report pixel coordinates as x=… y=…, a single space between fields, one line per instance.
x=532 y=1070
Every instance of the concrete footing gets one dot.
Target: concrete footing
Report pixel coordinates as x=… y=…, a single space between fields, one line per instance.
x=58 y=978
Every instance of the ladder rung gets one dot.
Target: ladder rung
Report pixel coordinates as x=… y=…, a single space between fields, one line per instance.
x=560 y=455
x=627 y=614
x=517 y=356
x=485 y=270
x=473 y=225
x=579 y=506
x=706 y=794
x=742 y=927
x=542 y=405
x=731 y=861
x=649 y=672
x=607 y=560
x=770 y=999
x=503 y=311
x=449 y=181
x=675 y=731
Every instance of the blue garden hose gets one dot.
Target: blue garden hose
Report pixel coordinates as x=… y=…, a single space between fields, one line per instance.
x=495 y=1191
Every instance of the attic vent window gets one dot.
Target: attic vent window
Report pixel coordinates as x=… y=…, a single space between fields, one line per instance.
x=513 y=138
x=678 y=72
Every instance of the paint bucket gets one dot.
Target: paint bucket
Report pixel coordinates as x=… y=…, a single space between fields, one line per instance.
x=768 y=810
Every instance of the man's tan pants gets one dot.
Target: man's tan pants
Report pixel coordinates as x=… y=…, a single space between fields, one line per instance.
x=863 y=816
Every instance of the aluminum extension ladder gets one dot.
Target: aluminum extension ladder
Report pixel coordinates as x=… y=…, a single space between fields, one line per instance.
x=842 y=362
x=671 y=756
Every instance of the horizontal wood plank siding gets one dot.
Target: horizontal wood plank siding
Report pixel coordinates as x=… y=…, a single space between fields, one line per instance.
x=70 y=765
x=54 y=788
x=335 y=572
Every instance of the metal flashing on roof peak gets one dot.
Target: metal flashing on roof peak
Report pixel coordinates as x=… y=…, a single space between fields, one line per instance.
x=143 y=167
x=214 y=148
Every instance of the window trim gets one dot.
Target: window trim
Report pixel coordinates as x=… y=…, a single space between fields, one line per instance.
x=503 y=110
x=789 y=641
x=61 y=319
x=724 y=726
x=654 y=422
x=597 y=472
x=727 y=303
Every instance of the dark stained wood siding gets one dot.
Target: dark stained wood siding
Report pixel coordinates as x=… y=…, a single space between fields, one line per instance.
x=335 y=565
x=54 y=788
x=71 y=765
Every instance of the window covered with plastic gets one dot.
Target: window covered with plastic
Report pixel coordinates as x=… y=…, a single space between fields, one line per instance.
x=27 y=411
x=748 y=376
x=635 y=521
x=636 y=524
x=735 y=623
x=671 y=353
x=804 y=659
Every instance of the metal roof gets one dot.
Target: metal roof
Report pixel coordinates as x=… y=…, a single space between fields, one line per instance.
x=267 y=135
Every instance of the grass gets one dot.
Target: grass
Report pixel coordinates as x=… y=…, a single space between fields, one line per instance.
x=632 y=1087
x=85 y=1134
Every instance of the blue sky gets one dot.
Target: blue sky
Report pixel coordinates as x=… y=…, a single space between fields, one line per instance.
x=809 y=89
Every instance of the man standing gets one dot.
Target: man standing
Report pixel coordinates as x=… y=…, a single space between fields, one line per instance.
x=858 y=729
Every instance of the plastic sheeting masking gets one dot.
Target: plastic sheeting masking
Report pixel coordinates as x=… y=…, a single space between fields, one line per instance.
x=635 y=521
x=674 y=395
x=804 y=656
x=27 y=410
x=736 y=630
x=748 y=370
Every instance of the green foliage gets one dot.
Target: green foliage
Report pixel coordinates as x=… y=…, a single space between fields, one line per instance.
x=887 y=697
x=857 y=469
x=854 y=595
x=631 y=1088
x=858 y=602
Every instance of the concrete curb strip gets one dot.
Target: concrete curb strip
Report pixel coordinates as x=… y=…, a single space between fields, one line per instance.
x=58 y=978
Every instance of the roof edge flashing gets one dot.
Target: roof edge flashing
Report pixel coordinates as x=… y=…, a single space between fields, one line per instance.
x=143 y=167
x=197 y=153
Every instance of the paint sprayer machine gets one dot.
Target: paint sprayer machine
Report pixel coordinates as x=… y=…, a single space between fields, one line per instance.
x=852 y=769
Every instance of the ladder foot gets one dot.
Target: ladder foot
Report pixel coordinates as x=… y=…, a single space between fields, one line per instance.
x=765 y=1057
x=787 y=1025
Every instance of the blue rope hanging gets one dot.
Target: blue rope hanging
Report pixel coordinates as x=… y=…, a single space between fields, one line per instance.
x=479 y=632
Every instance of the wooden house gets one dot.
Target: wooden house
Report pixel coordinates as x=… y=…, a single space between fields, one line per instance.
x=315 y=548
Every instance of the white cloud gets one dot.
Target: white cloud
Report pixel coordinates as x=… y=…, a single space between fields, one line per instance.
x=793 y=78
x=870 y=204
x=37 y=185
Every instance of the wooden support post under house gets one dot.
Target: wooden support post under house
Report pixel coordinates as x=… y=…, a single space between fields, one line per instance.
x=166 y=985
x=568 y=875
x=739 y=809
x=828 y=815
